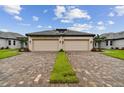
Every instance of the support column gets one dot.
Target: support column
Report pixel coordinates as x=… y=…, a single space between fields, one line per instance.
x=60 y=42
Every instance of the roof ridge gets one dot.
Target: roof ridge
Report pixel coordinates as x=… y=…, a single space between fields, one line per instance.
x=67 y=32
x=13 y=35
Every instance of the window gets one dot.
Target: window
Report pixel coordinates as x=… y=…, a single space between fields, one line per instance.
x=111 y=42
x=9 y=42
x=14 y=42
x=107 y=43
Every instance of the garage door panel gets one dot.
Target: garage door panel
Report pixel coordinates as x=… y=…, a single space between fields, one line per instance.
x=76 y=45
x=53 y=45
x=45 y=45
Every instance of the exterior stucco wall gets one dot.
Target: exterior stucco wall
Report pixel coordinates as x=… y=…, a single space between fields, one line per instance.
x=4 y=43
x=30 y=39
x=116 y=44
x=17 y=44
x=103 y=45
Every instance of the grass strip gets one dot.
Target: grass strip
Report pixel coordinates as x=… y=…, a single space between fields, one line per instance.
x=114 y=53
x=62 y=70
x=5 y=53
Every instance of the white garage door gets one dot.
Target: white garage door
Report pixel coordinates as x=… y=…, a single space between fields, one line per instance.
x=76 y=45
x=45 y=45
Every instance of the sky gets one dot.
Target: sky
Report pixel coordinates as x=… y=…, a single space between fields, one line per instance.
x=95 y=19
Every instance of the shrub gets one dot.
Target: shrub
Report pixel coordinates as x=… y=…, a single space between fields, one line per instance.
x=23 y=50
x=2 y=48
x=122 y=48
x=96 y=50
x=61 y=50
x=116 y=48
x=112 y=48
x=7 y=47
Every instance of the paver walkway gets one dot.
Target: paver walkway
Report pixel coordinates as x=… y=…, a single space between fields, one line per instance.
x=33 y=69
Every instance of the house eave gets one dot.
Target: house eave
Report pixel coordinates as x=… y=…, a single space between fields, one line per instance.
x=8 y=38
x=92 y=35
x=116 y=39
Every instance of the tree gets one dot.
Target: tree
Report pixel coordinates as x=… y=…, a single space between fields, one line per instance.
x=23 y=40
x=98 y=39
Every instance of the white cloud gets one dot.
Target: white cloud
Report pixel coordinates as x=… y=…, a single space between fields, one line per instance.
x=70 y=13
x=45 y=11
x=80 y=27
x=77 y=13
x=35 y=18
x=66 y=21
x=110 y=22
x=39 y=26
x=100 y=23
x=119 y=10
x=12 y=9
x=101 y=28
x=44 y=27
x=49 y=27
x=18 y=18
x=59 y=11
x=4 y=30
x=24 y=24
x=111 y=14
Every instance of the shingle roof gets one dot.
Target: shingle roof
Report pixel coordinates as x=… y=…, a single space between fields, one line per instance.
x=118 y=35
x=11 y=35
x=59 y=32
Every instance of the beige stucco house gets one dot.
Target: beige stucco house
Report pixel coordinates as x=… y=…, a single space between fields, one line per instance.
x=54 y=40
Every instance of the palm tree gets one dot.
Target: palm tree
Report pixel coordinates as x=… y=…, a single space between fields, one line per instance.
x=23 y=40
x=98 y=39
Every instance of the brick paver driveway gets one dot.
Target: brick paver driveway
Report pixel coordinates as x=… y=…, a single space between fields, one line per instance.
x=23 y=69
x=33 y=69
x=95 y=69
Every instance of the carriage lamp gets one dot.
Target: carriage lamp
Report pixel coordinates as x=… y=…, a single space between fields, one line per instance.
x=91 y=41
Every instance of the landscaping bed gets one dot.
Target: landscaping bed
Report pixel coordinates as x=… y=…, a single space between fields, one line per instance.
x=114 y=53
x=62 y=70
x=5 y=53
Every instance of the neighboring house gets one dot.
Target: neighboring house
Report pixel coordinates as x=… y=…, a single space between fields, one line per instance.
x=54 y=40
x=113 y=40
x=10 y=39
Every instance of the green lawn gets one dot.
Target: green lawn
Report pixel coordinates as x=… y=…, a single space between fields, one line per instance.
x=62 y=70
x=115 y=53
x=5 y=53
